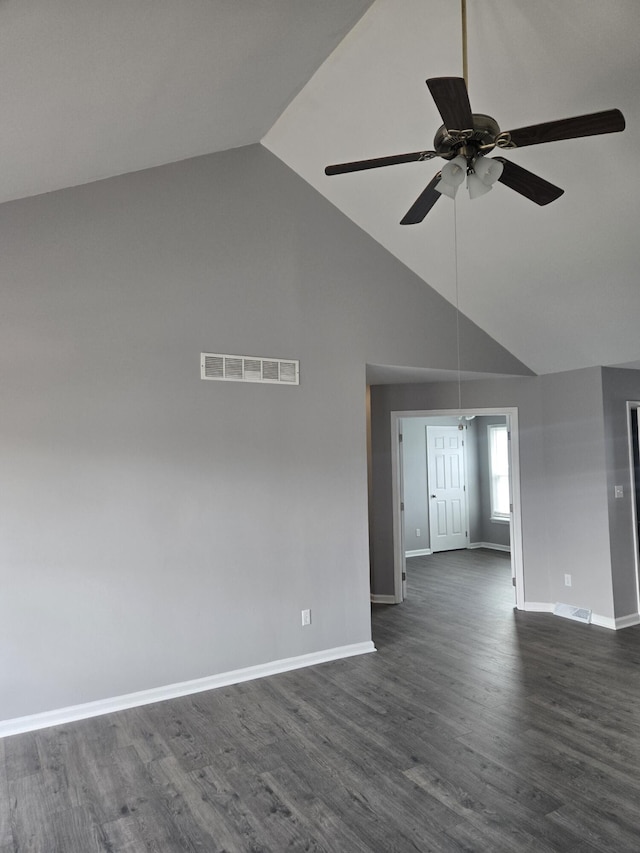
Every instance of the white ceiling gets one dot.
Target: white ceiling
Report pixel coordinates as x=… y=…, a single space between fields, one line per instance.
x=92 y=89
x=557 y=285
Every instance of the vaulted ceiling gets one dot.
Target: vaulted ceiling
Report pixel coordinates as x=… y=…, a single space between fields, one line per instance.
x=93 y=89
x=559 y=285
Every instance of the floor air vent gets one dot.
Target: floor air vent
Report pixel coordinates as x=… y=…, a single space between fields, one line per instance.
x=246 y=368
x=579 y=614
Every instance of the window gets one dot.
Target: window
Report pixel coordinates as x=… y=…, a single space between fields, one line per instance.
x=499 y=472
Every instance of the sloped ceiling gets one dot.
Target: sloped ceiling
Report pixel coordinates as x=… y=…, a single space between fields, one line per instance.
x=92 y=89
x=559 y=286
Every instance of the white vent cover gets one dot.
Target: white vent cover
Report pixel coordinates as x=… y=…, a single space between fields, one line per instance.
x=247 y=368
x=580 y=614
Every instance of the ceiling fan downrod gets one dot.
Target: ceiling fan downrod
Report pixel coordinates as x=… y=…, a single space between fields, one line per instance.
x=465 y=64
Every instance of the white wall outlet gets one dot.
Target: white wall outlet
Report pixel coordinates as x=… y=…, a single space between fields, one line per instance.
x=567 y=580
x=618 y=491
x=306 y=617
x=417 y=531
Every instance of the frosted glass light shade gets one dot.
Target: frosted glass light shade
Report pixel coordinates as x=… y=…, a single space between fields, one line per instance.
x=455 y=171
x=477 y=187
x=446 y=189
x=488 y=170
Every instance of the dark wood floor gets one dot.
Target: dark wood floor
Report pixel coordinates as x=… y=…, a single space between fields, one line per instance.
x=473 y=728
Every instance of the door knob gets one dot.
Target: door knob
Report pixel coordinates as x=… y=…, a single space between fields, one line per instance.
x=433 y=496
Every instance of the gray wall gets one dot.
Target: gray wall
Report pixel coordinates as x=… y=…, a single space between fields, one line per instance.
x=565 y=479
x=575 y=477
x=157 y=528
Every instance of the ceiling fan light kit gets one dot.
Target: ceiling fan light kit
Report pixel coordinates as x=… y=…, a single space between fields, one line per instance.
x=481 y=175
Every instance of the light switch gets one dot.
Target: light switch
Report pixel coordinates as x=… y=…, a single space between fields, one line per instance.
x=618 y=491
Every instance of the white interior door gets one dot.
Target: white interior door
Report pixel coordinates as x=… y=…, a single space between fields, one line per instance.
x=447 y=488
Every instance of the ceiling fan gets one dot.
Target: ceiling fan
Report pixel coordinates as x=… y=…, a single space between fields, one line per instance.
x=465 y=139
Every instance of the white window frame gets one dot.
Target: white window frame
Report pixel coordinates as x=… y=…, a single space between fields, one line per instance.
x=496 y=515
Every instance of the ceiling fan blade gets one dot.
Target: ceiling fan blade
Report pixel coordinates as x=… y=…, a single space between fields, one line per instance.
x=423 y=204
x=609 y=121
x=452 y=101
x=527 y=184
x=359 y=165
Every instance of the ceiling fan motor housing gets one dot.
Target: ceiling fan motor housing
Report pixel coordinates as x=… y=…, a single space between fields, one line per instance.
x=469 y=142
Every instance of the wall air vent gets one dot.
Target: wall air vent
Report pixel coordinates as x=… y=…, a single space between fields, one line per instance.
x=579 y=614
x=247 y=368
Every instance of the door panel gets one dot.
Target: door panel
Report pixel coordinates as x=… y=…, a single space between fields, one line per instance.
x=446 y=481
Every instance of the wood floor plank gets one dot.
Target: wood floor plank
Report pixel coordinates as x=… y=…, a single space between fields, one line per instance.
x=195 y=818
x=278 y=822
x=475 y=838
x=583 y=847
x=481 y=806
x=6 y=834
x=158 y=814
x=462 y=765
x=605 y=832
x=124 y=836
x=373 y=796
x=34 y=803
x=132 y=728
x=327 y=826
x=76 y=829
x=233 y=814
x=21 y=756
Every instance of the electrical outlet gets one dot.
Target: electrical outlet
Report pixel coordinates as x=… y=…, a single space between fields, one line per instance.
x=306 y=617
x=567 y=580
x=618 y=491
x=417 y=531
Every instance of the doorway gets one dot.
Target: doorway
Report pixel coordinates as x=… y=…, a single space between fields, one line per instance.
x=457 y=421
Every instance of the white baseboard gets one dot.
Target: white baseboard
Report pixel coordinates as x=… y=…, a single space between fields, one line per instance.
x=422 y=552
x=603 y=621
x=492 y=545
x=627 y=621
x=538 y=607
x=383 y=599
x=61 y=716
x=596 y=619
x=616 y=624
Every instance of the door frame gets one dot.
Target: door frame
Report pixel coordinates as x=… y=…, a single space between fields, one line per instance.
x=634 y=405
x=399 y=560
